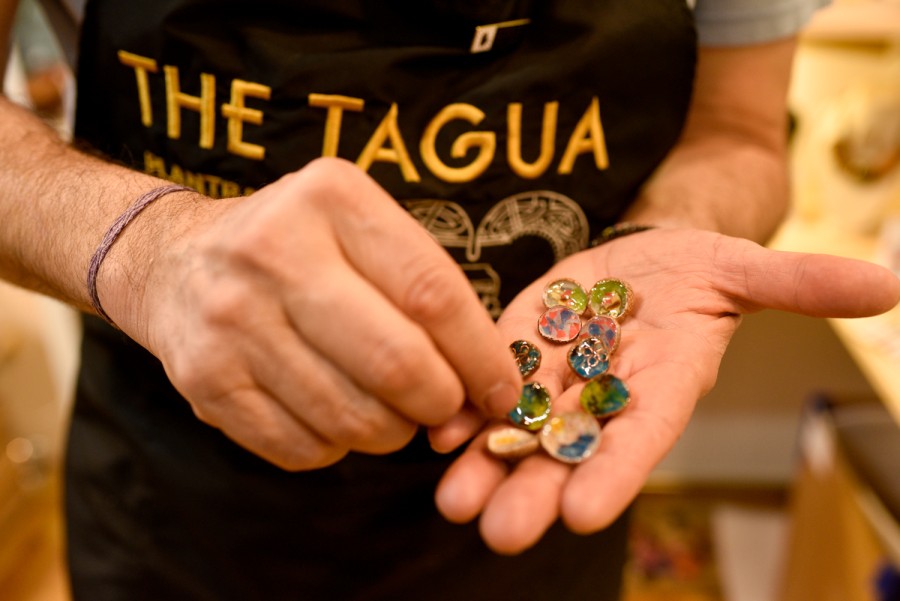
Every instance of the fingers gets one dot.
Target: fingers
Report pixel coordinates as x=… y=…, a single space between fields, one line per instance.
x=515 y=324
x=382 y=351
x=517 y=503
x=271 y=267
x=517 y=509
x=814 y=285
x=693 y=286
x=600 y=489
x=522 y=508
x=749 y=277
x=280 y=398
x=469 y=482
x=265 y=428
x=457 y=430
x=320 y=396
x=225 y=395
x=322 y=297
x=393 y=252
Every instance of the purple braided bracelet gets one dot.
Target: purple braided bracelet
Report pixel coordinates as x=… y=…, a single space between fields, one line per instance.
x=113 y=233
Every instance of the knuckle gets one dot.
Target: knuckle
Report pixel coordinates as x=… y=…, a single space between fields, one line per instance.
x=332 y=185
x=434 y=292
x=376 y=432
x=204 y=413
x=358 y=417
x=226 y=306
x=399 y=438
x=327 y=170
x=351 y=428
x=211 y=406
x=186 y=380
x=296 y=456
x=252 y=254
x=395 y=368
x=193 y=380
x=444 y=404
x=411 y=378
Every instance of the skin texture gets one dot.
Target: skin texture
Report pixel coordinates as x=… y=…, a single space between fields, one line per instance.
x=305 y=385
x=238 y=306
x=691 y=288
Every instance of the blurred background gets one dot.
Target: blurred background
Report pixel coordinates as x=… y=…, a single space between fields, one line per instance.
x=786 y=485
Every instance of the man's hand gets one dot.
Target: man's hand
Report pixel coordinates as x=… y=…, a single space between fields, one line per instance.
x=312 y=318
x=691 y=288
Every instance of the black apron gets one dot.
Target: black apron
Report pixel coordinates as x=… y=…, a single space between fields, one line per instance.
x=512 y=130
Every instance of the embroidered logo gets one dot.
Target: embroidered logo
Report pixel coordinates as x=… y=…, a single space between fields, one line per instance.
x=541 y=213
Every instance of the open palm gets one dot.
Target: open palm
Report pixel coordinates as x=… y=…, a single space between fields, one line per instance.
x=691 y=287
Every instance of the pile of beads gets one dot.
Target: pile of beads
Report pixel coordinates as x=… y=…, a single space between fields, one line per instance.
x=570 y=437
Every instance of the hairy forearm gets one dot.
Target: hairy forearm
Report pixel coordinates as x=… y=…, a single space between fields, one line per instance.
x=55 y=205
x=739 y=189
x=728 y=173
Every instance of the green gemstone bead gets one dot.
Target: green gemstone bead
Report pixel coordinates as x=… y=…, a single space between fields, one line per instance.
x=533 y=408
x=605 y=396
x=611 y=297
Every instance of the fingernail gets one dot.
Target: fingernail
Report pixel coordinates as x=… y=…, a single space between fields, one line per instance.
x=501 y=398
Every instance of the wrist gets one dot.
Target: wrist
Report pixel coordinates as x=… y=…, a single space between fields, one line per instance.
x=619 y=230
x=112 y=236
x=125 y=276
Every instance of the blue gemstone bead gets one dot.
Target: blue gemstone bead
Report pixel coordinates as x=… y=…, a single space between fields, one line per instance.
x=589 y=358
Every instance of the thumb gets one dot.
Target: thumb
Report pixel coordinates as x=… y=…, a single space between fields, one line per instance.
x=810 y=284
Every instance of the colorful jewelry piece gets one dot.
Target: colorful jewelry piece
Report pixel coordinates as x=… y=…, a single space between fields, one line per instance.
x=512 y=443
x=604 y=328
x=566 y=293
x=559 y=324
x=571 y=437
x=611 y=297
x=588 y=358
x=533 y=407
x=527 y=356
x=605 y=396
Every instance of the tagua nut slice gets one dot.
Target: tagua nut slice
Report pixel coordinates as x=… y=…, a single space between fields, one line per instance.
x=533 y=407
x=611 y=297
x=605 y=396
x=512 y=443
x=605 y=328
x=527 y=356
x=571 y=437
x=567 y=293
x=559 y=324
x=588 y=358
